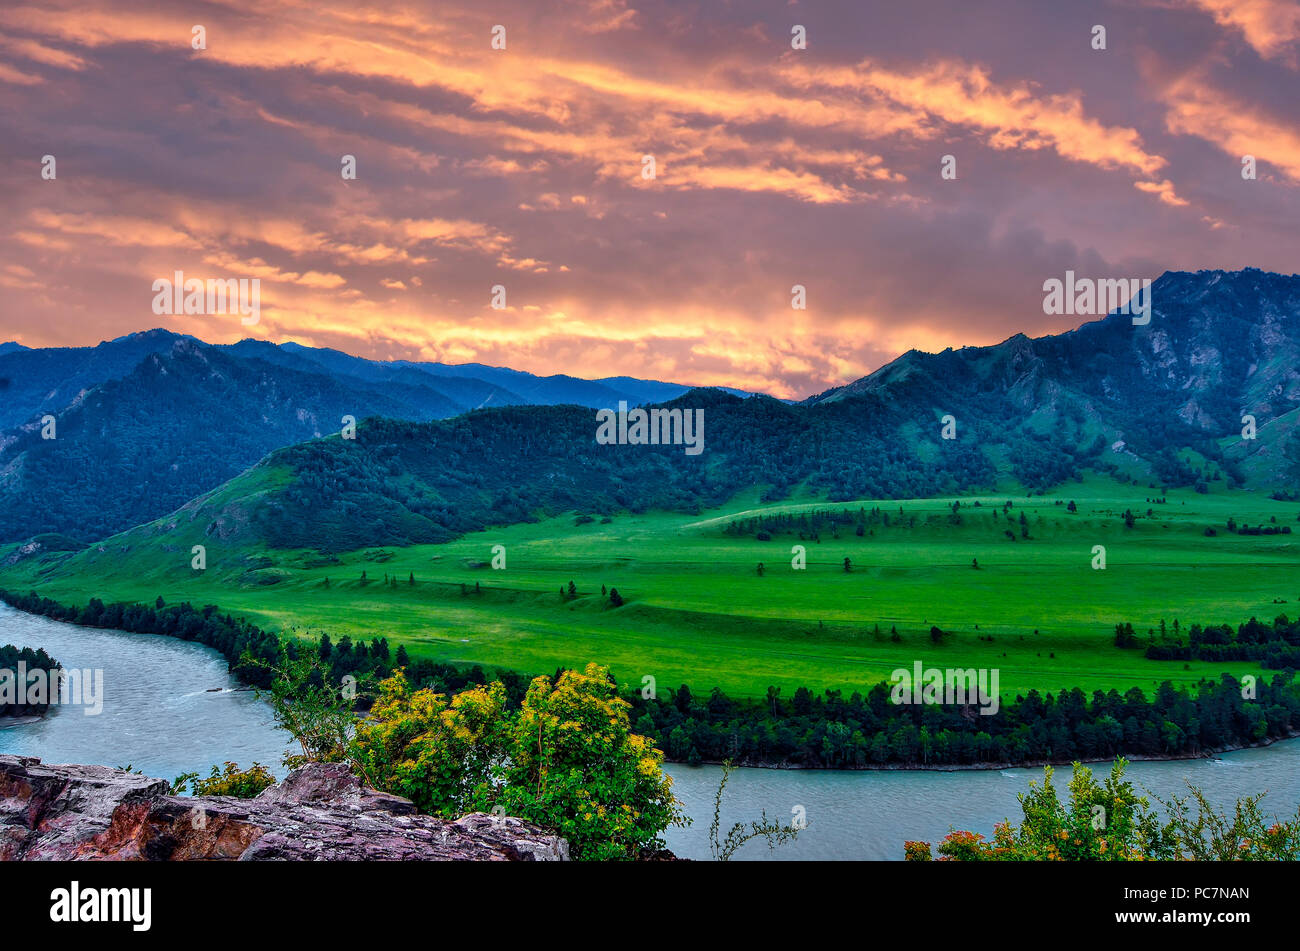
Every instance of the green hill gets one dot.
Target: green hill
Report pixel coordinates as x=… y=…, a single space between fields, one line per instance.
x=1112 y=435
x=698 y=611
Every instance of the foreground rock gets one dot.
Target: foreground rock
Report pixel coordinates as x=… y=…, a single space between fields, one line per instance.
x=319 y=812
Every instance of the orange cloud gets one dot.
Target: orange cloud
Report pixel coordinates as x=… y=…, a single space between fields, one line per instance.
x=660 y=114
x=1165 y=191
x=1013 y=115
x=1237 y=128
x=1272 y=27
x=523 y=167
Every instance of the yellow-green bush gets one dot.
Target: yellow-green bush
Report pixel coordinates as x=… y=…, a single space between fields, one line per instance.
x=566 y=760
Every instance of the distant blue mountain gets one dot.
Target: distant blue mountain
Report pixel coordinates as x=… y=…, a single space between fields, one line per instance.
x=48 y=380
x=148 y=421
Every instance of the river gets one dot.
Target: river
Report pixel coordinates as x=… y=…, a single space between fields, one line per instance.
x=161 y=713
x=163 y=716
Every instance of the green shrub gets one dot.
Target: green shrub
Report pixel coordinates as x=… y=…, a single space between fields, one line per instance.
x=232 y=781
x=567 y=760
x=1109 y=822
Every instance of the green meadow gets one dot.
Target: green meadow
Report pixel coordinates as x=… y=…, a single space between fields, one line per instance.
x=698 y=611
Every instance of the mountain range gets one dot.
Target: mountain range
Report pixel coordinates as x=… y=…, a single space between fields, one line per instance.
x=1161 y=404
x=146 y=422
x=1221 y=345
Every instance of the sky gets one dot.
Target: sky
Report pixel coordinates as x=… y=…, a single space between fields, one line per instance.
x=524 y=167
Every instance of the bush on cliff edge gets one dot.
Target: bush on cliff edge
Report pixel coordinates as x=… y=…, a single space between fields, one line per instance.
x=566 y=760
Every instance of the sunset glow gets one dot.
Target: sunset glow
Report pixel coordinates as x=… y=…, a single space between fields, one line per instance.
x=522 y=167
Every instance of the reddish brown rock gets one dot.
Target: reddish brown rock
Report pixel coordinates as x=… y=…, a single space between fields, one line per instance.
x=319 y=812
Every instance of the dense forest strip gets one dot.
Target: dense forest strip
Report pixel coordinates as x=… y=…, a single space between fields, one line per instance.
x=228 y=635
x=1275 y=646
x=15 y=700
x=859 y=731
x=806 y=728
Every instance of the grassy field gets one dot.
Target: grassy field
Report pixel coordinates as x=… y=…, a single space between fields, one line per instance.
x=698 y=612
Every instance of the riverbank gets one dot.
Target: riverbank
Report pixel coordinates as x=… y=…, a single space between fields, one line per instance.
x=7 y=722
x=896 y=728
x=31 y=681
x=160 y=713
x=234 y=638
x=164 y=721
x=978 y=767
x=869 y=814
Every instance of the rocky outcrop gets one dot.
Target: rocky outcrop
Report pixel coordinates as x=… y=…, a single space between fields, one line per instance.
x=319 y=812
